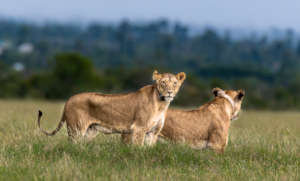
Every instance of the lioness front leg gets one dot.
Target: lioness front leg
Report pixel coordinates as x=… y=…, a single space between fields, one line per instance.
x=152 y=136
x=217 y=142
x=136 y=137
x=126 y=137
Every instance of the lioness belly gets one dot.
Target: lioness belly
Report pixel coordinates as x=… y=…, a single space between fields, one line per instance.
x=108 y=119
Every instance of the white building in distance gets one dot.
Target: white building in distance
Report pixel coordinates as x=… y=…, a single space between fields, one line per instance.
x=25 y=48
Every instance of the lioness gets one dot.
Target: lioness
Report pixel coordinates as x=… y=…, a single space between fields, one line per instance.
x=206 y=126
x=134 y=113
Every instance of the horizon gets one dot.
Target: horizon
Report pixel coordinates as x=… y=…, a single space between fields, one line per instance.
x=274 y=33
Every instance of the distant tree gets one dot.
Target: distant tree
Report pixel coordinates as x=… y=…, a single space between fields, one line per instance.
x=3 y=67
x=24 y=32
x=180 y=32
x=125 y=38
x=72 y=67
x=72 y=73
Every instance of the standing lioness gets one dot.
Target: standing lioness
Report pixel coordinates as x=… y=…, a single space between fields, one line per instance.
x=206 y=126
x=134 y=113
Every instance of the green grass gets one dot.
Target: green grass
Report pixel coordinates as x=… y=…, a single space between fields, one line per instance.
x=262 y=146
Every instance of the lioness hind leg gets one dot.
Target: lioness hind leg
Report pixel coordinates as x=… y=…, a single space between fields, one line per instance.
x=91 y=132
x=75 y=128
x=75 y=134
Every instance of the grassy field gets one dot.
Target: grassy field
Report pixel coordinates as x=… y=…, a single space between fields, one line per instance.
x=262 y=146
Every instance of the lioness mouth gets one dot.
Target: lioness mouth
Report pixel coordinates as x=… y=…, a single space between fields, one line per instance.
x=166 y=98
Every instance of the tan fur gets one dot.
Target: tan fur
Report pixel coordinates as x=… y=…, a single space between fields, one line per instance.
x=206 y=126
x=135 y=114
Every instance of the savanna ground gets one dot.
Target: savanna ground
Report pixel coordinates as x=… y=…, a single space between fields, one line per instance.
x=263 y=146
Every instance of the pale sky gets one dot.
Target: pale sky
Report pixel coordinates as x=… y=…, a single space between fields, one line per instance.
x=257 y=14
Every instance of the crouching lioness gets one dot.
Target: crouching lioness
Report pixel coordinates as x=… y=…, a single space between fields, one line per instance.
x=206 y=126
x=134 y=113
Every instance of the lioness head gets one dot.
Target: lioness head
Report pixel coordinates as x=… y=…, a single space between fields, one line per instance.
x=234 y=97
x=168 y=84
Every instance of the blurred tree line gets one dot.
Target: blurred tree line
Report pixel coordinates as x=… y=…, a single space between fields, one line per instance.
x=64 y=59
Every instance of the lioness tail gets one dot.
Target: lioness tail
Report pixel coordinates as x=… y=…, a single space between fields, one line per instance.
x=40 y=114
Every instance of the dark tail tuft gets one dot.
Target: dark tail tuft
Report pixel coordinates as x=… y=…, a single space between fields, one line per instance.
x=40 y=113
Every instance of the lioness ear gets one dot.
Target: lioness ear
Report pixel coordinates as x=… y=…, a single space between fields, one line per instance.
x=181 y=76
x=216 y=91
x=156 y=75
x=241 y=94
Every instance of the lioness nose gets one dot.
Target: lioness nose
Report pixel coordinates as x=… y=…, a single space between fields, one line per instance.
x=169 y=92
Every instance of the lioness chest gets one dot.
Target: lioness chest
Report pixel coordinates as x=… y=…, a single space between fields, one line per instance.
x=157 y=119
